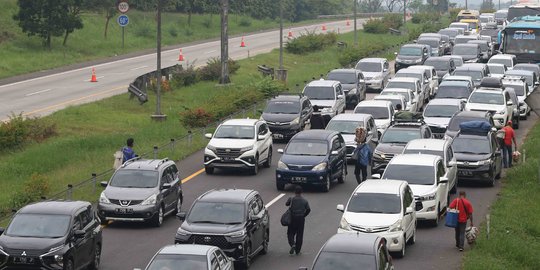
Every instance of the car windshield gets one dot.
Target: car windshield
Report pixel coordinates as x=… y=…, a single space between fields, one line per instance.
x=344 y=261
x=369 y=66
x=438 y=64
x=409 y=75
x=39 y=226
x=431 y=42
x=397 y=84
x=464 y=50
x=389 y=93
x=178 y=262
x=451 y=91
x=345 y=127
x=455 y=121
x=307 y=148
x=410 y=51
x=461 y=40
x=376 y=112
x=283 y=107
x=501 y=15
x=374 y=203
x=483 y=46
x=440 y=110
x=394 y=101
x=496 y=69
x=320 y=93
x=450 y=33
x=413 y=173
x=458 y=61
x=235 y=132
x=506 y=62
x=469 y=145
x=487 y=98
x=216 y=213
x=400 y=136
x=343 y=77
x=424 y=152
x=475 y=75
x=135 y=178
x=519 y=89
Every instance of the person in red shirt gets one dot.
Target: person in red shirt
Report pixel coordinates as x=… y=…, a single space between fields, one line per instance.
x=509 y=138
x=465 y=213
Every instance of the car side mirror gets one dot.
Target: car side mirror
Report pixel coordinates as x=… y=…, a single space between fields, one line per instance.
x=418 y=206
x=104 y=184
x=208 y=135
x=260 y=137
x=254 y=217
x=385 y=70
x=537 y=83
x=426 y=81
x=166 y=186
x=408 y=210
x=79 y=233
x=361 y=81
x=181 y=216
x=340 y=207
x=395 y=53
x=340 y=96
x=443 y=180
x=376 y=176
x=2 y=230
x=414 y=41
x=280 y=151
x=334 y=153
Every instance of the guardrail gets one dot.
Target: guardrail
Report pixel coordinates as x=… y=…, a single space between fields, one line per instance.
x=345 y=16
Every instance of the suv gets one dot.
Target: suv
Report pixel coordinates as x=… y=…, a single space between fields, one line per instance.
x=411 y=99
x=442 y=65
x=438 y=113
x=52 y=235
x=422 y=77
x=455 y=90
x=376 y=72
x=436 y=45
x=522 y=91
x=411 y=54
x=347 y=123
x=353 y=83
x=381 y=110
x=394 y=140
x=286 y=115
x=485 y=49
x=453 y=126
x=470 y=52
x=477 y=73
x=141 y=190
x=239 y=143
x=413 y=84
x=327 y=95
x=431 y=74
x=496 y=101
x=235 y=220
x=509 y=60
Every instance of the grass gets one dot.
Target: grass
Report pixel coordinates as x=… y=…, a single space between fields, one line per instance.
x=515 y=223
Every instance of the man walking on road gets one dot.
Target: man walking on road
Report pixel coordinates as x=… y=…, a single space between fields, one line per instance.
x=509 y=138
x=127 y=151
x=363 y=155
x=465 y=213
x=299 y=208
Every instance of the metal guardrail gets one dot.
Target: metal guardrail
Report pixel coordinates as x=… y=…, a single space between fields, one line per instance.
x=345 y=16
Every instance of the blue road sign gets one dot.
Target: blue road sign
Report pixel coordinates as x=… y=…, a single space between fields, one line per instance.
x=123 y=20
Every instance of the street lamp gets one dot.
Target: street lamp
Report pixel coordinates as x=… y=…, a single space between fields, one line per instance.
x=224 y=79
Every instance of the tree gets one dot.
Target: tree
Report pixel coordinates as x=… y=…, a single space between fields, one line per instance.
x=43 y=18
x=72 y=19
x=391 y=4
x=487 y=6
x=106 y=7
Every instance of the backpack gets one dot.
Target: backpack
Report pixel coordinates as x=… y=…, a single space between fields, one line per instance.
x=118 y=157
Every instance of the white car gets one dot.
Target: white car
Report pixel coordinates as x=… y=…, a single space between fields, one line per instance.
x=438 y=113
x=410 y=98
x=192 y=255
x=347 y=123
x=451 y=78
x=497 y=70
x=431 y=74
x=509 y=60
x=417 y=74
x=413 y=84
x=327 y=95
x=240 y=144
x=425 y=175
x=381 y=110
x=522 y=91
x=386 y=208
x=395 y=99
x=376 y=72
x=492 y=100
x=458 y=60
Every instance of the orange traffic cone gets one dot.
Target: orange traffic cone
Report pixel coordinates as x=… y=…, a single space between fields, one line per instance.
x=324 y=27
x=93 y=79
x=290 y=34
x=348 y=22
x=180 y=56
x=242 y=44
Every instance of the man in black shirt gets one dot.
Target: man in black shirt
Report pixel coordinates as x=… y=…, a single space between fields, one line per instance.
x=299 y=208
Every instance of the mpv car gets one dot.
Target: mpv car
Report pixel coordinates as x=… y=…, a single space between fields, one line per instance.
x=347 y=123
x=431 y=74
x=286 y=115
x=141 y=190
x=509 y=60
x=477 y=73
x=395 y=99
x=465 y=116
x=381 y=110
x=376 y=72
x=190 y=256
x=235 y=220
x=413 y=84
x=471 y=53
x=435 y=44
x=52 y=235
x=442 y=65
x=384 y=208
x=313 y=157
x=411 y=99
x=411 y=54
x=497 y=70
x=521 y=88
x=328 y=96
x=353 y=83
x=438 y=113
x=529 y=76
x=454 y=89
x=452 y=33
x=458 y=60
x=530 y=67
x=420 y=74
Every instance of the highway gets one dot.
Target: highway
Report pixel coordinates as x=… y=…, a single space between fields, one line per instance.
x=47 y=94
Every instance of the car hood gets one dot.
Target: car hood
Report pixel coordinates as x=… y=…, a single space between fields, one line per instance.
x=437 y=121
x=31 y=245
x=348 y=87
x=206 y=228
x=279 y=117
x=441 y=73
x=323 y=102
x=121 y=193
x=302 y=160
x=371 y=219
x=388 y=148
x=370 y=75
x=402 y=58
x=471 y=157
x=231 y=143
x=348 y=138
x=382 y=122
x=421 y=190
x=484 y=107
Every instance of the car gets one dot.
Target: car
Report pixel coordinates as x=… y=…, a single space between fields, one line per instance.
x=287 y=114
x=426 y=176
x=239 y=144
x=461 y=31
x=477 y=73
x=509 y=60
x=436 y=45
x=465 y=116
x=446 y=44
x=411 y=54
x=353 y=83
x=432 y=76
x=394 y=140
x=395 y=99
x=463 y=39
x=521 y=88
x=451 y=33
x=478 y=156
x=496 y=101
x=411 y=100
x=141 y=190
x=438 y=113
x=381 y=110
x=313 y=157
x=458 y=60
x=327 y=95
x=419 y=74
x=455 y=90
x=492 y=32
x=235 y=220
x=497 y=70
x=455 y=78
x=347 y=123
x=530 y=77
x=464 y=26
x=413 y=84
x=441 y=148
x=531 y=67
x=474 y=25
x=385 y=208
x=486 y=18
x=500 y=16
x=349 y=252
x=485 y=49
x=442 y=66
x=516 y=107
x=376 y=72
x=471 y=53
x=203 y=257
x=490 y=43
x=52 y=235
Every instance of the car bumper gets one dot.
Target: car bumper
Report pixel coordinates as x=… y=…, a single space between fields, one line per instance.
x=135 y=213
x=428 y=212
x=523 y=109
x=481 y=173
x=233 y=248
x=284 y=131
x=499 y=120
x=374 y=84
x=394 y=239
x=379 y=166
x=317 y=178
x=244 y=161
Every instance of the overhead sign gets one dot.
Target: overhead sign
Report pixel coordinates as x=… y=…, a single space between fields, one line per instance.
x=123 y=6
x=123 y=20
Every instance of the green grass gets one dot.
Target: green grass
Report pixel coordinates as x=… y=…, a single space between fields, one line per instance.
x=514 y=240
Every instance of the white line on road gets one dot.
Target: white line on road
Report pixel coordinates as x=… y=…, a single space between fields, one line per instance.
x=212 y=51
x=138 y=67
x=275 y=200
x=96 y=78
x=38 y=92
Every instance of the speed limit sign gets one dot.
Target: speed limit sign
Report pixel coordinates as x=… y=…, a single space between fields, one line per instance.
x=123 y=6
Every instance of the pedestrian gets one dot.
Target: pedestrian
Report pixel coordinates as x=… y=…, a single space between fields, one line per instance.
x=465 y=213
x=509 y=138
x=127 y=151
x=363 y=155
x=316 y=120
x=299 y=208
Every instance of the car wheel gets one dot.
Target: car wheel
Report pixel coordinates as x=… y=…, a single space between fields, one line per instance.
x=412 y=240
x=209 y=170
x=515 y=123
x=255 y=169
x=268 y=161
x=266 y=242
x=178 y=205
x=157 y=220
x=280 y=186
x=326 y=186
x=491 y=181
x=69 y=265
x=103 y=221
x=401 y=253
x=247 y=259
x=97 y=258
x=343 y=175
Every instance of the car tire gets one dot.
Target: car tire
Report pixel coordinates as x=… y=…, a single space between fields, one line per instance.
x=491 y=181
x=401 y=253
x=247 y=260
x=178 y=206
x=103 y=221
x=69 y=265
x=515 y=123
x=266 y=242
x=209 y=170
x=255 y=169
x=157 y=219
x=280 y=186
x=97 y=258
x=268 y=161
x=326 y=186
x=343 y=175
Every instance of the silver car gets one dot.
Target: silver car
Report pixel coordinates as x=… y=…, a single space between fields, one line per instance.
x=190 y=256
x=376 y=72
x=347 y=123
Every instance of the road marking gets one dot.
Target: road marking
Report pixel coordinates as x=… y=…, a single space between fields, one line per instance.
x=275 y=200
x=96 y=78
x=192 y=175
x=38 y=92
x=210 y=51
x=138 y=67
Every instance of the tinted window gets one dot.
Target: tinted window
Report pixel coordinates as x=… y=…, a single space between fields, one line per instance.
x=464 y=50
x=285 y=107
x=216 y=212
x=307 y=148
x=343 y=77
x=471 y=145
x=344 y=261
x=487 y=98
x=519 y=89
x=409 y=51
x=431 y=42
x=506 y=62
x=496 y=69
x=38 y=226
x=374 y=203
x=345 y=127
x=235 y=132
x=407 y=85
x=455 y=121
x=452 y=92
x=178 y=262
x=414 y=174
x=135 y=179
x=402 y=136
x=438 y=64
x=376 y=112
x=319 y=93
x=369 y=66
x=440 y=110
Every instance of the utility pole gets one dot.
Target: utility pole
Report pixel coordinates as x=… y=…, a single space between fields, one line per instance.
x=281 y=72
x=404 y=12
x=158 y=116
x=224 y=79
x=466 y=4
x=355 y=27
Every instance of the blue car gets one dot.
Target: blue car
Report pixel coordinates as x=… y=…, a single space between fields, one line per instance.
x=313 y=157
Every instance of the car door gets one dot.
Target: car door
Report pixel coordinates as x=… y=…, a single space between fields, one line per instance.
x=373 y=135
x=167 y=194
x=497 y=154
x=361 y=87
x=265 y=142
x=176 y=185
x=254 y=224
x=451 y=167
x=83 y=246
x=434 y=81
x=224 y=262
x=426 y=133
x=340 y=98
x=335 y=161
x=386 y=72
x=509 y=108
x=214 y=262
x=442 y=188
x=408 y=219
x=383 y=257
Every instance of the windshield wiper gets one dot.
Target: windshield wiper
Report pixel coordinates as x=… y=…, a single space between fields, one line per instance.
x=466 y=152
x=371 y=211
x=394 y=142
x=207 y=221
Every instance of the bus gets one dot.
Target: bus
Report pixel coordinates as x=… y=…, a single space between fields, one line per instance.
x=530 y=8
x=522 y=39
x=468 y=15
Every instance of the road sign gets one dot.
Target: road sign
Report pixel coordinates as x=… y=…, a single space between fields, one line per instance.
x=123 y=6
x=123 y=20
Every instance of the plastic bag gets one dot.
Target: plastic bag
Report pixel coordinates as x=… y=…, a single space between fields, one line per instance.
x=516 y=155
x=471 y=233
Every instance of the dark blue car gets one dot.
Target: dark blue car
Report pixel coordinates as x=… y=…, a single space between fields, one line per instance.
x=313 y=157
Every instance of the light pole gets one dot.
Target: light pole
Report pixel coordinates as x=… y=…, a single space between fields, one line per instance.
x=404 y=12
x=281 y=72
x=355 y=27
x=224 y=79
x=158 y=115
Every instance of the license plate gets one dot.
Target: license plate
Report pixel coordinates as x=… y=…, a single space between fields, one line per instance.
x=23 y=260
x=227 y=158
x=465 y=173
x=298 y=179
x=277 y=136
x=124 y=210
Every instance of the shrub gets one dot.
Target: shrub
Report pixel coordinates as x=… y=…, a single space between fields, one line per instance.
x=269 y=87
x=244 y=22
x=188 y=32
x=310 y=42
x=425 y=17
x=375 y=26
x=173 y=32
x=207 y=22
x=184 y=76
x=349 y=56
x=212 y=70
x=144 y=30
x=20 y=130
x=32 y=190
x=392 y=20
x=453 y=13
x=197 y=117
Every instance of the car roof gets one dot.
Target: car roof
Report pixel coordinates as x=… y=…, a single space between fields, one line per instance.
x=482 y=41
x=344 y=70
x=374 y=103
x=411 y=70
x=454 y=83
x=452 y=56
x=465 y=36
x=187 y=249
x=54 y=207
x=314 y=134
x=470 y=68
x=489 y=90
x=527 y=65
x=391 y=89
x=227 y=195
x=432 y=144
x=373 y=59
x=495 y=65
x=144 y=164
x=502 y=56
x=416 y=159
x=286 y=98
x=444 y=101
x=428 y=38
x=378 y=186
x=240 y=122
x=414 y=45
x=404 y=79
x=421 y=67
x=456 y=78
x=520 y=72
x=466 y=45
x=351 y=117
x=387 y=97
x=358 y=243
x=325 y=83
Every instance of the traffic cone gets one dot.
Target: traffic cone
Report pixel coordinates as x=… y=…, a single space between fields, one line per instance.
x=290 y=34
x=324 y=27
x=242 y=44
x=93 y=79
x=180 y=56
x=348 y=22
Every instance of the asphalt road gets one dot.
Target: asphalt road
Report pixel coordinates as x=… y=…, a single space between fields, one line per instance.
x=44 y=95
x=128 y=246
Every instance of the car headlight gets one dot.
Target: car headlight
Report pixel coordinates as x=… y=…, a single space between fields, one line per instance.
x=327 y=110
x=379 y=154
x=211 y=148
x=343 y=224
x=2 y=251
x=59 y=259
x=282 y=166
x=503 y=111
x=296 y=121
x=245 y=149
x=484 y=162
x=396 y=226
x=428 y=197
x=320 y=167
x=182 y=232
x=103 y=198
x=237 y=234
x=150 y=200
x=377 y=77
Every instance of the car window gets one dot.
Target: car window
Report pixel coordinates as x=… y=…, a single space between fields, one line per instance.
x=383 y=259
x=166 y=177
x=335 y=144
x=174 y=172
x=254 y=208
x=221 y=258
x=441 y=170
x=85 y=217
x=407 y=199
x=259 y=202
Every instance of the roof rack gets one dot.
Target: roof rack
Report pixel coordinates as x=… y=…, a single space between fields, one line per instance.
x=514 y=77
x=161 y=162
x=129 y=161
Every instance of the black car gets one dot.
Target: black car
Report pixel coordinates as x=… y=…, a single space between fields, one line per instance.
x=453 y=126
x=353 y=83
x=235 y=220
x=287 y=115
x=394 y=140
x=52 y=235
x=410 y=55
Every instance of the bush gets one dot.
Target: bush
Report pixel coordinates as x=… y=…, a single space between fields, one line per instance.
x=425 y=17
x=188 y=32
x=453 y=13
x=207 y=22
x=349 y=56
x=244 y=22
x=197 y=117
x=392 y=20
x=269 y=87
x=32 y=191
x=144 y=30
x=375 y=26
x=310 y=42
x=20 y=130
x=184 y=76
x=212 y=70
x=173 y=32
